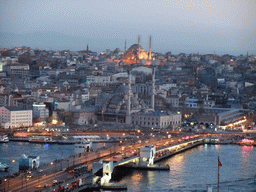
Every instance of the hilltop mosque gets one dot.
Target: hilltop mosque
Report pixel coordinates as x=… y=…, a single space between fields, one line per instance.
x=136 y=53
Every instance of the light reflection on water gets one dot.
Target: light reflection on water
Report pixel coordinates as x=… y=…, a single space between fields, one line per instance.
x=197 y=168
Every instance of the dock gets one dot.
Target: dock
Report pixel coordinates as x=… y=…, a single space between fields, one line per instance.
x=110 y=186
x=155 y=167
x=168 y=152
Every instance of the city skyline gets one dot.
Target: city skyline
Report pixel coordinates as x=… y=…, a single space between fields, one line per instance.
x=181 y=26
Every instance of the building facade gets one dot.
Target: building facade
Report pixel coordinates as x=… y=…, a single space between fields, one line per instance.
x=40 y=111
x=14 y=117
x=156 y=119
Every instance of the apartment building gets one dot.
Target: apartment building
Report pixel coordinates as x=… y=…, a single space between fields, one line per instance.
x=14 y=117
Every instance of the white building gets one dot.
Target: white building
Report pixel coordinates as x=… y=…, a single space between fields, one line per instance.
x=156 y=119
x=99 y=79
x=85 y=95
x=12 y=117
x=84 y=117
x=191 y=103
x=173 y=100
x=40 y=111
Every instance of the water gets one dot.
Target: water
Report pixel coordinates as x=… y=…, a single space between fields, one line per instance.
x=192 y=170
x=197 y=168
x=47 y=152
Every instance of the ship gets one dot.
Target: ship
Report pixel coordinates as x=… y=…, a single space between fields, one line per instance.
x=247 y=142
x=4 y=139
x=82 y=145
x=41 y=139
x=3 y=167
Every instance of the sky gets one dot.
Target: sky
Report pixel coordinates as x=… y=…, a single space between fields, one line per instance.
x=188 y=26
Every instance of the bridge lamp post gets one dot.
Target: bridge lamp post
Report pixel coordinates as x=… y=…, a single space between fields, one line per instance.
x=5 y=180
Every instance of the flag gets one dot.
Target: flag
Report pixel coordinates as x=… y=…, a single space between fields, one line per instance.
x=219 y=162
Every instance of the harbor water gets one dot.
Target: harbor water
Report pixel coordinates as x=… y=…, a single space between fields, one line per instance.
x=197 y=169
x=11 y=152
x=192 y=170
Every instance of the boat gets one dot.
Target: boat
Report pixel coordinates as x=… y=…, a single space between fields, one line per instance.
x=3 y=167
x=4 y=139
x=247 y=142
x=98 y=139
x=41 y=139
x=82 y=145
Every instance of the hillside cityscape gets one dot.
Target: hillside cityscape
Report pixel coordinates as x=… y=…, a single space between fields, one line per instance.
x=77 y=88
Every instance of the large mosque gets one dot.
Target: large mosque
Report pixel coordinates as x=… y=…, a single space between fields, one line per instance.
x=136 y=54
x=125 y=107
x=124 y=103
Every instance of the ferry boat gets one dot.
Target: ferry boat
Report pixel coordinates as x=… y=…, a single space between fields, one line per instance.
x=247 y=142
x=82 y=145
x=98 y=139
x=41 y=139
x=3 y=167
x=4 y=139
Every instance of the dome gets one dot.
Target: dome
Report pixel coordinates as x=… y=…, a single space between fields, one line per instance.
x=117 y=50
x=135 y=47
x=122 y=89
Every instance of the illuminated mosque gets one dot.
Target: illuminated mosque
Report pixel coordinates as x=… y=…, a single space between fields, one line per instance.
x=136 y=54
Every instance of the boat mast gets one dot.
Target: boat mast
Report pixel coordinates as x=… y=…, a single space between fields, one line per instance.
x=218 y=175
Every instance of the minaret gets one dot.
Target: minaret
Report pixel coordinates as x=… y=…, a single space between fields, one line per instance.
x=153 y=90
x=87 y=51
x=128 y=114
x=125 y=46
x=149 y=54
x=138 y=54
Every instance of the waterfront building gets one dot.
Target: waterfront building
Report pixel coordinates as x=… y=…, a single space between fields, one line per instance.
x=156 y=119
x=84 y=116
x=40 y=111
x=14 y=117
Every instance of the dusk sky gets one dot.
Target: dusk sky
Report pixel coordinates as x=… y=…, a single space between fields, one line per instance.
x=190 y=26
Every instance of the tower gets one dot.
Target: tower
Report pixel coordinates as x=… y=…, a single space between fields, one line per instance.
x=149 y=54
x=128 y=114
x=153 y=90
x=138 y=53
x=87 y=50
x=125 y=46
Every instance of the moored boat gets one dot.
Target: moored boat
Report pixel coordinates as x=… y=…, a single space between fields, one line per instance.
x=41 y=139
x=247 y=142
x=3 y=167
x=4 y=139
x=82 y=145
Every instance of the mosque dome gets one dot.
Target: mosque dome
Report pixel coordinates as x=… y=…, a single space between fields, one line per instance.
x=122 y=90
x=117 y=50
x=135 y=47
x=134 y=54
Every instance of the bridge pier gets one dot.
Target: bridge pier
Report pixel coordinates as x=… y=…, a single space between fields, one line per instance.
x=147 y=155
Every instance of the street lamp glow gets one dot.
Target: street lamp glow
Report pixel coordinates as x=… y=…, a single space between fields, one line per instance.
x=51 y=163
x=13 y=161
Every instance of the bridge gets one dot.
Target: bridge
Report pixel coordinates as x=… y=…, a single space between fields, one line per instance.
x=164 y=152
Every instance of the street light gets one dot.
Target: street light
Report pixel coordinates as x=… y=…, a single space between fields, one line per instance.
x=4 y=183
